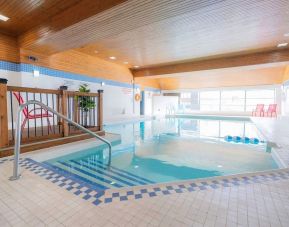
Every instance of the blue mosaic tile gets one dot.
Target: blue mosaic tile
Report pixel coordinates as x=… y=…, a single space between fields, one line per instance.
x=138 y=196
x=130 y=192
x=86 y=197
x=107 y=200
x=152 y=194
x=97 y=202
x=115 y=194
x=143 y=190
x=178 y=190
x=122 y=198
x=166 y=192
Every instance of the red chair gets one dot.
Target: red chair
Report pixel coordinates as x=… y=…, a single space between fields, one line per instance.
x=259 y=111
x=272 y=110
x=28 y=114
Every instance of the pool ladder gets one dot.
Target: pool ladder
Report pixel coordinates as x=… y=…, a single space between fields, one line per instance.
x=16 y=169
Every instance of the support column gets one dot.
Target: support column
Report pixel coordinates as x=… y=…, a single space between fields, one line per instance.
x=100 y=110
x=64 y=97
x=4 y=139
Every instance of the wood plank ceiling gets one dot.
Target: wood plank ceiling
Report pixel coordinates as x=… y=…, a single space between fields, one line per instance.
x=26 y=14
x=150 y=32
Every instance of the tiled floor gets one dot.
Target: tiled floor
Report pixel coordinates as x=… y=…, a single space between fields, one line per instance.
x=35 y=201
x=40 y=199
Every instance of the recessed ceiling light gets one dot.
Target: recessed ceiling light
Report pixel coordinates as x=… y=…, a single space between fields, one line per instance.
x=286 y=34
x=112 y=58
x=96 y=51
x=4 y=18
x=125 y=62
x=282 y=44
x=136 y=66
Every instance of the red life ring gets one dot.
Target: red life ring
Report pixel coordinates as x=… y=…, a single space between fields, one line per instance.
x=137 y=97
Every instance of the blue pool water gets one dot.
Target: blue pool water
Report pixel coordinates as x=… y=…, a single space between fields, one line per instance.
x=167 y=150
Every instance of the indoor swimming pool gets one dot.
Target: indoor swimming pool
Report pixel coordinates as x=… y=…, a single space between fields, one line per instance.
x=171 y=149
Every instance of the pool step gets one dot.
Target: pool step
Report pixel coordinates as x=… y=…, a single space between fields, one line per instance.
x=101 y=174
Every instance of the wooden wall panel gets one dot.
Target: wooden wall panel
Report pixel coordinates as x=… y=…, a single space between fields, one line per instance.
x=76 y=62
x=266 y=76
x=286 y=74
x=8 y=48
x=152 y=83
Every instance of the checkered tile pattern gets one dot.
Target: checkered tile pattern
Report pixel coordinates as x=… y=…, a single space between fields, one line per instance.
x=69 y=182
x=4 y=160
x=92 y=194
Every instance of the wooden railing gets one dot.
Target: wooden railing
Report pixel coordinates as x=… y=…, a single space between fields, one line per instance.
x=41 y=125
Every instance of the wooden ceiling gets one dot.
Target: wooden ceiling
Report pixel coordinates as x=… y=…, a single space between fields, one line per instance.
x=47 y=15
x=148 y=32
x=26 y=14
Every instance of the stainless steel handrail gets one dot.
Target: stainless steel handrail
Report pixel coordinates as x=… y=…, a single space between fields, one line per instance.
x=16 y=174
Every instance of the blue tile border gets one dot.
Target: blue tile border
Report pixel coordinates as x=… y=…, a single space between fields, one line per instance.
x=3 y=160
x=23 y=67
x=87 y=190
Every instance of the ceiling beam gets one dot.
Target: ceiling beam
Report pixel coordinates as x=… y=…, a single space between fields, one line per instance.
x=78 y=12
x=274 y=56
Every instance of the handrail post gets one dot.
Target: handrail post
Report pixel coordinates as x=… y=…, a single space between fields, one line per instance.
x=64 y=99
x=100 y=110
x=4 y=139
x=16 y=172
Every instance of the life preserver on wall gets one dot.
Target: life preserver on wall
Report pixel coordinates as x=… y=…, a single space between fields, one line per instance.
x=137 y=97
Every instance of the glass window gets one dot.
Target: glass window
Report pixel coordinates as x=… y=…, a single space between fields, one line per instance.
x=233 y=100
x=254 y=97
x=210 y=100
x=189 y=101
x=225 y=100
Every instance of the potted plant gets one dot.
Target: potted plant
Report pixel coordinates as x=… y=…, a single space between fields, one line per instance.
x=85 y=103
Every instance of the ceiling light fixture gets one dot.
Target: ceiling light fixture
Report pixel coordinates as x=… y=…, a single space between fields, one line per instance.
x=112 y=58
x=136 y=66
x=4 y=18
x=282 y=44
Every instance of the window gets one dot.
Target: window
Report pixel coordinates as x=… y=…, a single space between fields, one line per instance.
x=233 y=100
x=226 y=100
x=189 y=101
x=210 y=100
x=254 y=97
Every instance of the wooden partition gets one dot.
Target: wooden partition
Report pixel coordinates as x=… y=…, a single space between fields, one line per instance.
x=40 y=125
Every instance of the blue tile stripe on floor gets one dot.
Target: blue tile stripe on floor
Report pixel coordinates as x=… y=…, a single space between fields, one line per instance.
x=87 y=189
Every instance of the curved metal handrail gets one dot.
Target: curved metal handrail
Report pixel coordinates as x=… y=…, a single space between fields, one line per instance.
x=16 y=174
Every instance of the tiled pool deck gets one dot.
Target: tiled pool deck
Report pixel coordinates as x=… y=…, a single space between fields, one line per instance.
x=43 y=197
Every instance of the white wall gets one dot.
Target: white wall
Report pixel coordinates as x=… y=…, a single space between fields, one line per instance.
x=285 y=100
x=118 y=101
x=163 y=105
